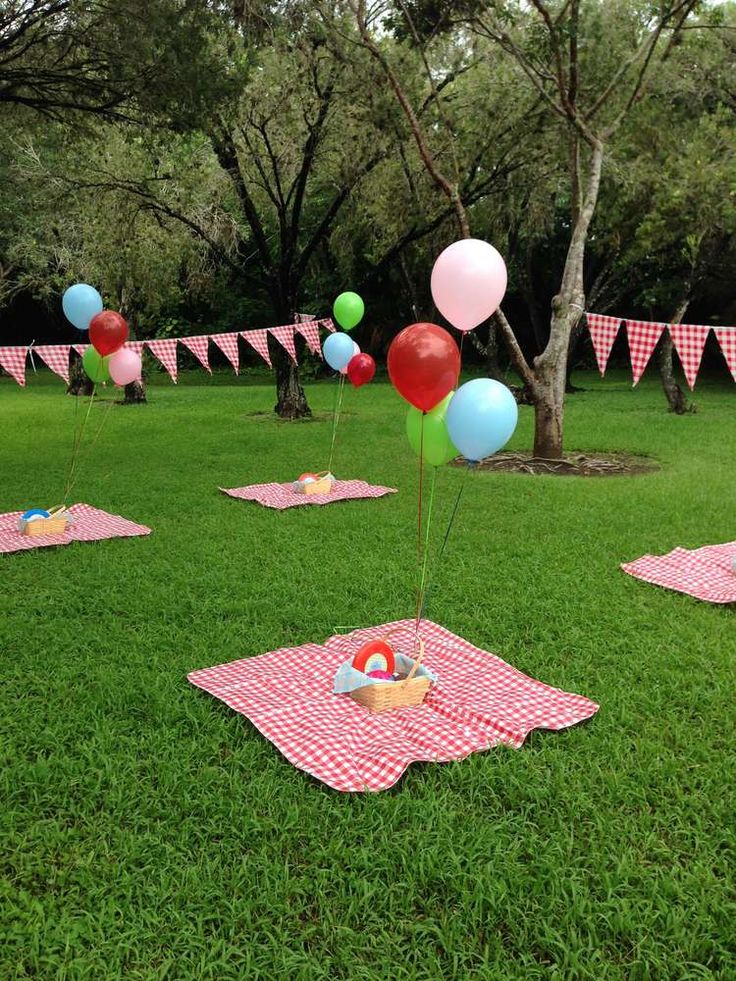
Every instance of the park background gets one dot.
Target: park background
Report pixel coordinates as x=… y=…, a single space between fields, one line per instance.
x=213 y=166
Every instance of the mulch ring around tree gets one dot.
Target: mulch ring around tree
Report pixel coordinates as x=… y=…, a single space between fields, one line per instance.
x=572 y=465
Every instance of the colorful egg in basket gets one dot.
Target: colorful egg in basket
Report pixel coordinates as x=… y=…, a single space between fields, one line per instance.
x=385 y=691
x=313 y=483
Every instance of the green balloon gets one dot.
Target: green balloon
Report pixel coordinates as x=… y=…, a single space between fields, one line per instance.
x=436 y=444
x=95 y=365
x=348 y=309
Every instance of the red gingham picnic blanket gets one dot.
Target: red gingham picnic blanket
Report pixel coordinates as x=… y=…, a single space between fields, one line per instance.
x=281 y=496
x=705 y=573
x=478 y=702
x=90 y=525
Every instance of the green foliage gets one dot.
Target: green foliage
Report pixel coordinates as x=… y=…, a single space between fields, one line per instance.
x=149 y=832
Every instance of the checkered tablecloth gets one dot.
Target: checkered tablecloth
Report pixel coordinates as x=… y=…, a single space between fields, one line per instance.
x=89 y=525
x=478 y=702
x=281 y=496
x=705 y=573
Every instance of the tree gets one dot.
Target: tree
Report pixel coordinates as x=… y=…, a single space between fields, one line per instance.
x=560 y=48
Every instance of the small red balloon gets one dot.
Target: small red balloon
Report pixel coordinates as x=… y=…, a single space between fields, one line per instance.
x=361 y=369
x=108 y=331
x=423 y=365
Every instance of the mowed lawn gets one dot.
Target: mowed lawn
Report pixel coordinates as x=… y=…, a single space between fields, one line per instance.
x=149 y=832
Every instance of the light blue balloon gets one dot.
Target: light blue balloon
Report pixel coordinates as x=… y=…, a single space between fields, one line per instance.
x=80 y=304
x=338 y=350
x=481 y=418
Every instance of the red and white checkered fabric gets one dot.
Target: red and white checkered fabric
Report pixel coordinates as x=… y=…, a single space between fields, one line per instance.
x=258 y=340
x=199 y=346
x=689 y=341
x=165 y=351
x=478 y=702
x=13 y=360
x=643 y=336
x=727 y=340
x=603 y=331
x=706 y=573
x=310 y=332
x=328 y=324
x=285 y=337
x=281 y=496
x=90 y=525
x=56 y=356
x=228 y=344
x=80 y=349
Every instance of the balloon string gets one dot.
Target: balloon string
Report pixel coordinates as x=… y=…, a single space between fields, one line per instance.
x=77 y=445
x=420 y=500
x=84 y=456
x=336 y=418
x=441 y=552
x=423 y=579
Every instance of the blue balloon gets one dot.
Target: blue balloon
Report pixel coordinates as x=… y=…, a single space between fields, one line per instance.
x=80 y=304
x=338 y=349
x=481 y=418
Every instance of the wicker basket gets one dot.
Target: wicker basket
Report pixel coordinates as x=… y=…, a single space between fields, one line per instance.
x=404 y=693
x=45 y=526
x=321 y=486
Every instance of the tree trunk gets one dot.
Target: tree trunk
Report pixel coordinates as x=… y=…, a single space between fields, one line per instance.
x=291 y=402
x=550 y=367
x=135 y=393
x=79 y=383
x=672 y=391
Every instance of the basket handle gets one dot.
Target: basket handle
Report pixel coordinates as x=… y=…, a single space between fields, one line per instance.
x=417 y=662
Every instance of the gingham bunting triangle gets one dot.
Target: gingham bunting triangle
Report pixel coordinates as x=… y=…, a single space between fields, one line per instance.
x=258 y=340
x=285 y=337
x=689 y=341
x=165 y=352
x=310 y=332
x=13 y=359
x=228 y=344
x=80 y=349
x=643 y=336
x=727 y=340
x=603 y=331
x=56 y=357
x=198 y=346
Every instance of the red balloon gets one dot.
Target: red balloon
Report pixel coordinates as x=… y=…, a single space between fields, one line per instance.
x=108 y=331
x=423 y=365
x=361 y=369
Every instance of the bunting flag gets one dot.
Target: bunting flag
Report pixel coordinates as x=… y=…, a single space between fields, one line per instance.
x=165 y=351
x=285 y=337
x=198 y=346
x=689 y=341
x=13 y=359
x=727 y=339
x=228 y=344
x=56 y=357
x=258 y=340
x=643 y=336
x=310 y=332
x=603 y=331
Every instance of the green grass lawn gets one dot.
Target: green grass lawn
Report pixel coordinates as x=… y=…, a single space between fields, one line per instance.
x=149 y=832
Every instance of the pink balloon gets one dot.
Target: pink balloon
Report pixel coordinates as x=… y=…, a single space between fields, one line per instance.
x=356 y=350
x=125 y=366
x=468 y=282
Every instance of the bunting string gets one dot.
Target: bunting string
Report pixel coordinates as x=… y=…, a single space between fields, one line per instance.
x=56 y=356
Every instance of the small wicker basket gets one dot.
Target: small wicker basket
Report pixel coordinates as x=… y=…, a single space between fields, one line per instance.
x=55 y=524
x=321 y=486
x=404 y=693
